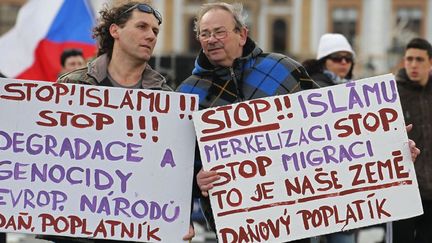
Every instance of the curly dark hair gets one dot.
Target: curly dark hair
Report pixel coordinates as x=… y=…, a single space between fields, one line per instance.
x=109 y=16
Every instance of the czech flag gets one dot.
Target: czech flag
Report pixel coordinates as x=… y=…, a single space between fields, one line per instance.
x=44 y=28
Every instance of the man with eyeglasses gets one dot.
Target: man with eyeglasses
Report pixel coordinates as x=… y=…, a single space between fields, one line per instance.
x=415 y=90
x=126 y=35
x=231 y=68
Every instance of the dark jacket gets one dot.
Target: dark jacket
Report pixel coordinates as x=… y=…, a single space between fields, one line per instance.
x=254 y=75
x=96 y=73
x=417 y=108
x=315 y=69
x=321 y=79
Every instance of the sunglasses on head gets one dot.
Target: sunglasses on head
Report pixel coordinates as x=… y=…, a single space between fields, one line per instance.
x=339 y=58
x=146 y=9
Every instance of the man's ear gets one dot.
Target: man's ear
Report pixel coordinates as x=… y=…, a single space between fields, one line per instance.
x=113 y=29
x=243 y=35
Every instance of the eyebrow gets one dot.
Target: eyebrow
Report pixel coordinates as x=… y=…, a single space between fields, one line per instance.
x=415 y=57
x=217 y=28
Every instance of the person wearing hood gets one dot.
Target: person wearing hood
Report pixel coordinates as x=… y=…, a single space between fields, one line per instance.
x=334 y=63
x=415 y=90
x=231 y=68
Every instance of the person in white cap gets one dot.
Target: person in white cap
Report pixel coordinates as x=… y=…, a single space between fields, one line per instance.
x=334 y=63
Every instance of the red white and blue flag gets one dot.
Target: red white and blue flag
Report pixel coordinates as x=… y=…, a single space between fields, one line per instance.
x=44 y=28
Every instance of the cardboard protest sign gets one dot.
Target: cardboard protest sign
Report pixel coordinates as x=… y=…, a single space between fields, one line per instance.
x=95 y=162
x=309 y=163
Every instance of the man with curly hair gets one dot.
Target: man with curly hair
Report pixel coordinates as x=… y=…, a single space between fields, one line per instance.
x=126 y=36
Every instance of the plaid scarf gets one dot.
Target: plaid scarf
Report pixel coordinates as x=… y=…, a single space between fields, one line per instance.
x=254 y=75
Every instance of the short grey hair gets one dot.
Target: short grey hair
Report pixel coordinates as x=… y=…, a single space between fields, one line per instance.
x=236 y=9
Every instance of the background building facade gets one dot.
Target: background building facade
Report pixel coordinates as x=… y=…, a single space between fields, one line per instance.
x=377 y=29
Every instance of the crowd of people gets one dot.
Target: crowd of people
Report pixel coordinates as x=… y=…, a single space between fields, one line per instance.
x=225 y=72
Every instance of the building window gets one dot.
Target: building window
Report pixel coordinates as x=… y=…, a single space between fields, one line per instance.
x=408 y=26
x=195 y=1
x=344 y=22
x=8 y=14
x=279 y=36
x=409 y=19
x=280 y=1
x=193 y=45
x=249 y=21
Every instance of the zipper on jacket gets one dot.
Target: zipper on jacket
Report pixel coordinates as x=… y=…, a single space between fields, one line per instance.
x=240 y=95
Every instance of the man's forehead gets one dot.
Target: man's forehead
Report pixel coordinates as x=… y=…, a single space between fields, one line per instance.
x=148 y=18
x=74 y=58
x=217 y=18
x=416 y=52
x=214 y=28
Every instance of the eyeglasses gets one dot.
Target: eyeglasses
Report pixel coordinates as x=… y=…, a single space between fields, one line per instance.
x=340 y=58
x=219 y=33
x=146 y=9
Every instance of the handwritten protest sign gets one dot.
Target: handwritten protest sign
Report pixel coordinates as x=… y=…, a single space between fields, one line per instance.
x=309 y=163
x=95 y=162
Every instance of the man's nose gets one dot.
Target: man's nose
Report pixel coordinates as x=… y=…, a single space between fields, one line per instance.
x=212 y=38
x=151 y=35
